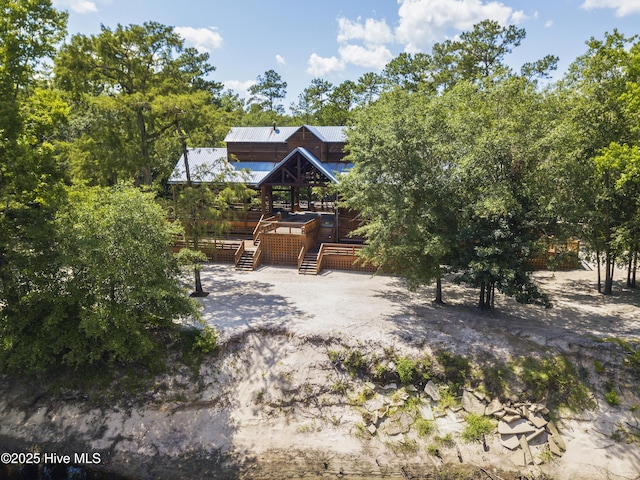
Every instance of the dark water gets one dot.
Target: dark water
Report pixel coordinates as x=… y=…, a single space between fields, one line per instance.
x=57 y=472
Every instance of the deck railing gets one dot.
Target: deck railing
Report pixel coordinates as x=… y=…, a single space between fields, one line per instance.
x=257 y=257
x=303 y=251
x=238 y=254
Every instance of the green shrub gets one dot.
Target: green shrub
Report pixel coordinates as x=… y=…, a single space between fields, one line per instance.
x=612 y=398
x=456 y=368
x=207 y=341
x=425 y=427
x=476 y=426
x=406 y=369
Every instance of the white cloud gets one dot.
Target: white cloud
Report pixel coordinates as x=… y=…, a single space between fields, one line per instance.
x=622 y=7
x=239 y=87
x=548 y=24
x=319 y=66
x=372 y=32
x=78 y=6
x=203 y=39
x=367 y=57
x=280 y=59
x=424 y=22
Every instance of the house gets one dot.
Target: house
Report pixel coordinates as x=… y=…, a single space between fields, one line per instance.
x=290 y=167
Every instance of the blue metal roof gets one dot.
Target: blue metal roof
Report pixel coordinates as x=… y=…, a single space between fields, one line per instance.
x=310 y=157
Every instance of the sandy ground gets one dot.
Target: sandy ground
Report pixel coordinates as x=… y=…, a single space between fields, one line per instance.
x=268 y=401
x=378 y=311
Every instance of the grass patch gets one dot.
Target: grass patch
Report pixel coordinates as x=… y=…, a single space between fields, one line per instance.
x=476 y=426
x=425 y=427
x=456 y=368
x=556 y=379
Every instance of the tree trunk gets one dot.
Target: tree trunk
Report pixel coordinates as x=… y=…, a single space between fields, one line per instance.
x=196 y=272
x=481 y=302
x=635 y=267
x=493 y=295
x=599 y=278
x=438 y=299
x=629 y=267
x=608 y=281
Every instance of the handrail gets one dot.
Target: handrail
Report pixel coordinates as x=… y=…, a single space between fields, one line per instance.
x=256 y=230
x=319 y=259
x=238 y=254
x=257 y=257
x=303 y=250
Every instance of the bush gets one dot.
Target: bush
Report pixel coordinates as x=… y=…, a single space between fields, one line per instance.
x=476 y=426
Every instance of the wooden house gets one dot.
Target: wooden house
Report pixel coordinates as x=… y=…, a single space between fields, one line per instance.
x=288 y=166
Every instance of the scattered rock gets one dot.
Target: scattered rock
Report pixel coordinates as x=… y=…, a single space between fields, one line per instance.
x=494 y=407
x=518 y=458
x=479 y=395
x=518 y=427
x=391 y=386
x=537 y=420
x=537 y=435
x=398 y=423
x=551 y=428
x=528 y=458
x=431 y=390
x=426 y=412
x=372 y=429
x=510 y=441
x=471 y=404
x=509 y=418
x=553 y=446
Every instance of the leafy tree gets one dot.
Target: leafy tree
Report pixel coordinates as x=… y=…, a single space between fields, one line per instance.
x=596 y=116
x=31 y=181
x=129 y=86
x=312 y=102
x=401 y=183
x=268 y=91
x=341 y=103
x=115 y=284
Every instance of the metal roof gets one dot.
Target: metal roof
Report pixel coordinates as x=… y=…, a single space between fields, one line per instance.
x=260 y=134
x=282 y=134
x=310 y=157
x=211 y=164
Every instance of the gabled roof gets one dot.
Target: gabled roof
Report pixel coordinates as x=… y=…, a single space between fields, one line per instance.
x=308 y=156
x=282 y=134
x=208 y=164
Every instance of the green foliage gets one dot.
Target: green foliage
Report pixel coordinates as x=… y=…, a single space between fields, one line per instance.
x=612 y=398
x=456 y=368
x=208 y=341
x=406 y=370
x=495 y=378
x=114 y=286
x=476 y=426
x=556 y=379
x=425 y=427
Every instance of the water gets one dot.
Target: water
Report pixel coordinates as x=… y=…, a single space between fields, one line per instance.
x=57 y=472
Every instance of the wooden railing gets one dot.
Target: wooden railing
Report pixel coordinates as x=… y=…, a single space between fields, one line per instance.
x=319 y=258
x=238 y=254
x=257 y=257
x=303 y=251
x=262 y=225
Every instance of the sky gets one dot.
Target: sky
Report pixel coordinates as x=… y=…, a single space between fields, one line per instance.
x=339 y=40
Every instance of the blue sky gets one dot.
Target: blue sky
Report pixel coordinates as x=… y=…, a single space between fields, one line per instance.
x=342 y=39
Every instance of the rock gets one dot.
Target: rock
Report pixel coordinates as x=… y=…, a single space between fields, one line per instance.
x=510 y=441
x=494 y=407
x=519 y=427
x=431 y=390
x=411 y=388
x=513 y=411
x=553 y=446
x=518 y=458
x=537 y=436
x=426 y=412
x=479 y=395
x=551 y=428
x=372 y=429
x=499 y=414
x=511 y=418
x=398 y=423
x=528 y=458
x=391 y=386
x=537 y=420
x=471 y=404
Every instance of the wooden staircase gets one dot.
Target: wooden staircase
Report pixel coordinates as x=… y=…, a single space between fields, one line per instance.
x=309 y=264
x=246 y=261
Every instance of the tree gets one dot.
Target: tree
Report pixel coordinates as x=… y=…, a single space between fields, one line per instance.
x=31 y=181
x=312 y=102
x=596 y=116
x=128 y=87
x=115 y=284
x=268 y=91
x=401 y=184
